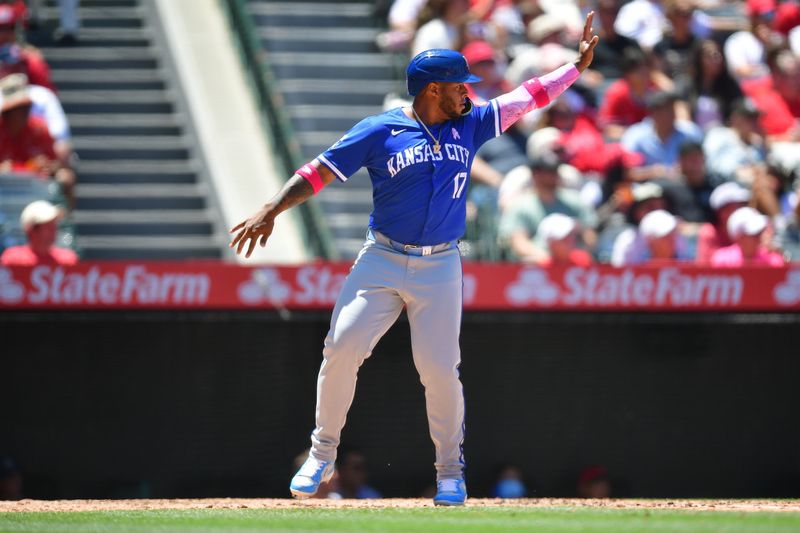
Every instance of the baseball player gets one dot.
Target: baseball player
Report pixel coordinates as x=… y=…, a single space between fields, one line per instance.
x=419 y=160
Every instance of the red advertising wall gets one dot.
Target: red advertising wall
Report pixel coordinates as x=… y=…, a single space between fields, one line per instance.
x=487 y=286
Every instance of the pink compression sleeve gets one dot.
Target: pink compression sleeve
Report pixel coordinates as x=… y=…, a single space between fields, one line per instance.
x=534 y=93
x=312 y=176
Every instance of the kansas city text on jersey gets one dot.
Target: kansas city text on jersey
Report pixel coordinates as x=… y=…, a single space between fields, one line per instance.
x=422 y=153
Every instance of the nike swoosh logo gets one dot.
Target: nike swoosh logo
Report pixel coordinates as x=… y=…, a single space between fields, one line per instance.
x=395 y=132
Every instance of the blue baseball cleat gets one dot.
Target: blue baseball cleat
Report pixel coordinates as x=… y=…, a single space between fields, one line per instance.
x=450 y=492
x=306 y=481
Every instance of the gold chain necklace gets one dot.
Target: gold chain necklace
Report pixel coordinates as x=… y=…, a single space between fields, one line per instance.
x=436 y=146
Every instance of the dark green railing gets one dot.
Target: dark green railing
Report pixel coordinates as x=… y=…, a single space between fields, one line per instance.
x=276 y=121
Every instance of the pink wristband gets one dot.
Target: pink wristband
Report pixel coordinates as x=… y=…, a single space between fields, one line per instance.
x=537 y=91
x=311 y=175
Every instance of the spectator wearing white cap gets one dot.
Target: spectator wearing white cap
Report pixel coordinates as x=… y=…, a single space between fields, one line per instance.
x=39 y=220
x=557 y=233
x=627 y=245
x=656 y=239
x=659 y=229
x=724 y=200
x=745 y=227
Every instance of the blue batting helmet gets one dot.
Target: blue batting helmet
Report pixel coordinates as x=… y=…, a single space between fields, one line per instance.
x=438 y=64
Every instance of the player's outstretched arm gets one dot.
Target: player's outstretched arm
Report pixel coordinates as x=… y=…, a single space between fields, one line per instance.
x=586 y=45
x=538 y=92
x=308 y=180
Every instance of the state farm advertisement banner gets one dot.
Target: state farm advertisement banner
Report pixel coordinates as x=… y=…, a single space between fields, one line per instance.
x=216 y=285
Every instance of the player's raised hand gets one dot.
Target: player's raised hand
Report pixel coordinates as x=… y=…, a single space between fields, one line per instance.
x=256 y=228
x=587 y=44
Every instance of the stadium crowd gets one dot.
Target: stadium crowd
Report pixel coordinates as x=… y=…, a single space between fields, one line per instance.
x=689 y=113
x=681 y=142
x=36 y=155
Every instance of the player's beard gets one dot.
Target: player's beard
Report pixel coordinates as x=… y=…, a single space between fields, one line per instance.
x=452 y=108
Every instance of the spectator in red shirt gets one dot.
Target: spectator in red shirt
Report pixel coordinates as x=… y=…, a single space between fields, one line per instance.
x=623 y=104
x=25 y=142
x=45 y=105
x=18 y=59
x=778 y=97
x=558 y=233
x=40 y=222
x=21 y=10
x=787 y=17
x=745 y=227
x=581 y=141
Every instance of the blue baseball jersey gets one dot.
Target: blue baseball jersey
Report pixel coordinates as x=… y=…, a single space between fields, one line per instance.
x=419 y=196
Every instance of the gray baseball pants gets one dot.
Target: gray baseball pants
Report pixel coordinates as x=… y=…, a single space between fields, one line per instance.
x=382 y=281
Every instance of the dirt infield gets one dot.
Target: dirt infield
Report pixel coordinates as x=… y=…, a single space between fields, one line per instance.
x=237 y=503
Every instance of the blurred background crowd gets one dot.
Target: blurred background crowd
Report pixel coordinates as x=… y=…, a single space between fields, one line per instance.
x=36 y=155
x=688 y=114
